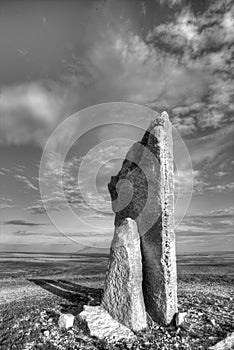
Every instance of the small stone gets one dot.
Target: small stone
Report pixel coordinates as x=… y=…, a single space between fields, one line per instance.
x=103 y=326
x=180 y=317
x=211 y=338
x=212 y=321
x=46 y=333
x=66 y=321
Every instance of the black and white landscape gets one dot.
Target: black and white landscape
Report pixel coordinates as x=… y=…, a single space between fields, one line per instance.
x=80 y=83
x=35 y=288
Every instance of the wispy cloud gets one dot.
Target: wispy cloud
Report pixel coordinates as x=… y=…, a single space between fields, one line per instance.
x=228 y=212
x=22 y=223
x=6 y=203
x=214 y=223
x=19 y=168
x=27 y=182
x=30 y=111
x=6 y=206
x=84 y=234
x=22 y=52
x=37 y=209
x=4 y=171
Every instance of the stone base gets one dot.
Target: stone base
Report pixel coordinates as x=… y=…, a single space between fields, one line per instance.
x=103 y=326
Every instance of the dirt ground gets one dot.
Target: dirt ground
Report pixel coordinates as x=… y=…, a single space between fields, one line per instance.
x=30 y=305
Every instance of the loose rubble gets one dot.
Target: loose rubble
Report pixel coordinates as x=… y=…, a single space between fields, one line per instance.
x=32 y=323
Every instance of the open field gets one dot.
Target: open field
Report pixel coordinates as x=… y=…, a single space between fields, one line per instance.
x=35 y=288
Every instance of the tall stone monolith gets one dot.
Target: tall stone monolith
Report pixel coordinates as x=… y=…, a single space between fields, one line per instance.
x=144 y=191
x=123 y=297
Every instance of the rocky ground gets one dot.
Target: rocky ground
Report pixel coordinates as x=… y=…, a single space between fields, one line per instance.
x=29 y=312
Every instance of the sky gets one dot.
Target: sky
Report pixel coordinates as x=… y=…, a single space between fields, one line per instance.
x=90 y=60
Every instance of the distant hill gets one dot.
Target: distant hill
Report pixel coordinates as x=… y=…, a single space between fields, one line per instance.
x=40 y=248
x=93 y=250
x=52 y=249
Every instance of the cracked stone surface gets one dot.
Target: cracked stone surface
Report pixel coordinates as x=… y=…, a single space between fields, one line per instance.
x=103 y=326
x=225 y=344
x=143 y=190
x=123 y=296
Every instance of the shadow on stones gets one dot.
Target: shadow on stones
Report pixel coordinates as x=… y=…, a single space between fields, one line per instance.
x=75 y=293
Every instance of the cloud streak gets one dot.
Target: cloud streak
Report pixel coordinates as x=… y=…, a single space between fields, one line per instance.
x=27 y=182
x=22 y=223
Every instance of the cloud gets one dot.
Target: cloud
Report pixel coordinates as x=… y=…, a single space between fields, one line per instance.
x=89 y=195
x=171 y=3
x=27 y=182
x=23 y=233
x=38 y=208
x=116 y=65
x=81 y=184
x=213 y=214
x=19 y=168
x=211 y=157
x=85 y=234
x=227 y=187
x=182 y=65
x=29 y=112
x=5 y=206
x=213 y=151
x=185 y=181
x=22 y=52
x=220 y=173
x=217 y=223
x=6 y=203
x=4 y=171
x=22 y=223
x=204 y=185
x=142 y=6
x=203 y=44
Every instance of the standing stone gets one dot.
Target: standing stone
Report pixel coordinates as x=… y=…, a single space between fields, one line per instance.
x=123 y=297
x=144 y=191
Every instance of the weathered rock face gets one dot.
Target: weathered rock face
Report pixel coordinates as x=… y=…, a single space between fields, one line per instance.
x=123 y=297
x=103 y=326
x=225 y=344
x=143 y=190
